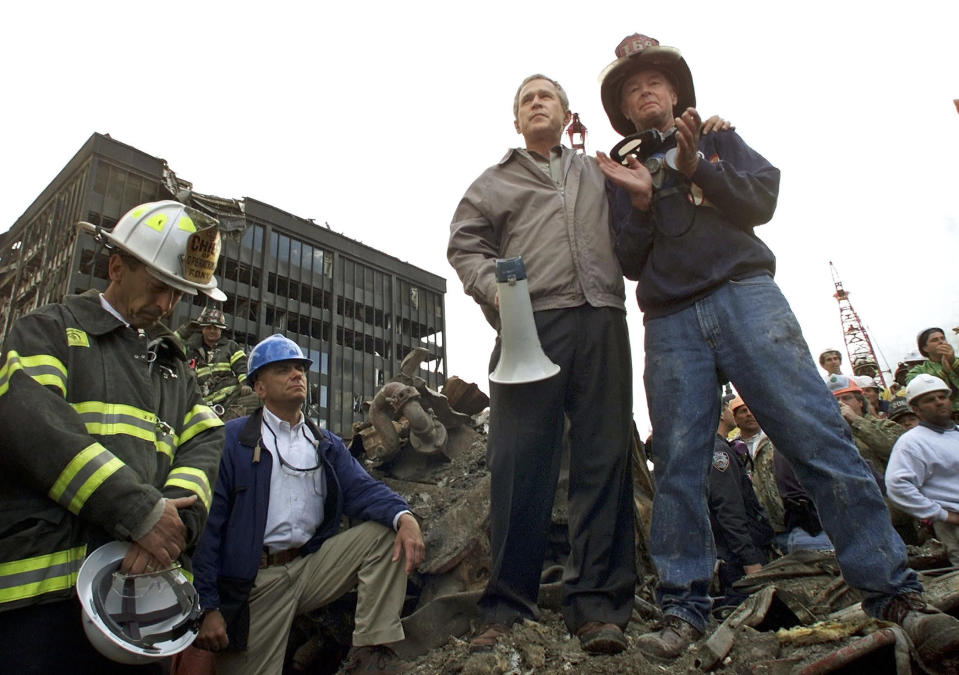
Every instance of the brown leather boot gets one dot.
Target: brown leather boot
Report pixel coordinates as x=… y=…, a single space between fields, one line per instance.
x=934 y=634
x=487 y=637
x=597 y=637
x=671 y=640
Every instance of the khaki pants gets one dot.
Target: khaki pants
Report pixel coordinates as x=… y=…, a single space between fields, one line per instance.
x=359 y=557
x=948 y=534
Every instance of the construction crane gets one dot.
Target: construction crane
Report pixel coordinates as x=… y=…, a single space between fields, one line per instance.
x=862 y=356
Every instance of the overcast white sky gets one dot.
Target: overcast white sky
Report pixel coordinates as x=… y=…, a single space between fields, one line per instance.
x=376 y=116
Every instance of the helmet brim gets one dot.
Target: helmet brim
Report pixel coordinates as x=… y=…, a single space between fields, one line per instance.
x=666 y=59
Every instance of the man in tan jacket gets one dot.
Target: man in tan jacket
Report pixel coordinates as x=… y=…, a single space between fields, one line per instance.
x=548 y=204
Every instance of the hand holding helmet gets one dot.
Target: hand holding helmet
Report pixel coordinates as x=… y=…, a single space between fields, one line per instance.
x=166 y=540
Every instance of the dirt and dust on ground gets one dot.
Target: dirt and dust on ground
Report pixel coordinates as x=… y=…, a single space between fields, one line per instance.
x=800 y=615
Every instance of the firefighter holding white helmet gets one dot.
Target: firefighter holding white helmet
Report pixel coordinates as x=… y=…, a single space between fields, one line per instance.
x=105 y=437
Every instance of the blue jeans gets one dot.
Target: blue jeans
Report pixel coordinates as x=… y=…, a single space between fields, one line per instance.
x=746 y=331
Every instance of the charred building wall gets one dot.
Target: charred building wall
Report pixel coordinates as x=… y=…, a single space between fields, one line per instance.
x=354 y=310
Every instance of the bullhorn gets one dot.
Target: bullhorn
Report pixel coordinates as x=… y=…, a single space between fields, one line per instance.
x=521 y=357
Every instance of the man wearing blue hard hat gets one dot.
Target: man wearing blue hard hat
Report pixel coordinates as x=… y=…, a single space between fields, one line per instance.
x=273 y=548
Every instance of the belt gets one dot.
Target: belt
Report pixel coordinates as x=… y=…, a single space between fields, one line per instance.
x=268 y=559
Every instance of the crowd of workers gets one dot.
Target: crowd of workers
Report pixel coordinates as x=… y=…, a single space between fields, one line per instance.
x=109 y=436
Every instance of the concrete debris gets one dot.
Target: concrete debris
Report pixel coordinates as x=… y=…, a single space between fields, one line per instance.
x=799 y=615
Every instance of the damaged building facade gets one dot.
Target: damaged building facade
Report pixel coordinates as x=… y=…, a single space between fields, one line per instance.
x=354 y=310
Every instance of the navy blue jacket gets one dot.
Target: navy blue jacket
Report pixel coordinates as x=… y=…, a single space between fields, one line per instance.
x=741 y=529
x=692 y=241
x=228 y=553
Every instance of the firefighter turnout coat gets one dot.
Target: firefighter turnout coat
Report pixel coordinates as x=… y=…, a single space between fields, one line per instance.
x=98 y=421
x=220 y=370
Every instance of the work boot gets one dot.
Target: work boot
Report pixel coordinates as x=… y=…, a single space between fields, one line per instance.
x=372 y=659
x=671 y=640
x=597 y=637
x=487 y=637
x=934 y=634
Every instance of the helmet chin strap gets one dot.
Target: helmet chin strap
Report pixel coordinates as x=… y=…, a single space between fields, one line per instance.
x=127 y=623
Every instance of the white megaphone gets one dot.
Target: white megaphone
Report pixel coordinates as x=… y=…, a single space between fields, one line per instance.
x=521 y=357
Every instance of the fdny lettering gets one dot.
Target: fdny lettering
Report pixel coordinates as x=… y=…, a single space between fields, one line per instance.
x=77 y=338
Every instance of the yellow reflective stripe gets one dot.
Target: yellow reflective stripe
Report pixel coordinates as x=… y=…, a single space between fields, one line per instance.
x=156 y=222
x=237 y=356
x=40 y=574
x=92 y=483
x=200 y=418
x=221 y=394
x=111 y=419
x=44 y=369
x=82 y=476
x=185 y=223
x=165 y=445
x=192 y=479
x=214 y=368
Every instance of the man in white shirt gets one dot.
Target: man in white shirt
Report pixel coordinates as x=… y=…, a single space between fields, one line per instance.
x=272 y=548
x=922 y=476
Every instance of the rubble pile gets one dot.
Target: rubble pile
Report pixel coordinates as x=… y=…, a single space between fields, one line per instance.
x=800 y=616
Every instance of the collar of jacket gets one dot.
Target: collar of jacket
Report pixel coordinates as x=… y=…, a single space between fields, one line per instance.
x=250 y=433
x=95 y=320
x=515 y=152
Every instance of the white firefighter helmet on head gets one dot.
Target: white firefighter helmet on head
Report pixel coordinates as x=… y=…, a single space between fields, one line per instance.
x=923 y=383
x=135 y=618
x=179 y=245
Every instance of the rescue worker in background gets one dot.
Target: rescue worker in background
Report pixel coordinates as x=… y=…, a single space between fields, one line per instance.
x=923 y=472
x=940 y=362
x=220 y=365
x=104 y=435
x=902 y=414
x=831 y=362
x=741 y=529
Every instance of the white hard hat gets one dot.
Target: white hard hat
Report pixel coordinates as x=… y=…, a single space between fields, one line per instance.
x=864 y=382
x=179 y=245
x=913 y=357
x=923 y=384
x=135 y=618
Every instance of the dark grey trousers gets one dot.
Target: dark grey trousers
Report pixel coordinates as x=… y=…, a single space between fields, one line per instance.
x=594 y=390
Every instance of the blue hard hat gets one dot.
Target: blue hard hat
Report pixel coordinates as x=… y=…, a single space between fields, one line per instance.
x=272 y=349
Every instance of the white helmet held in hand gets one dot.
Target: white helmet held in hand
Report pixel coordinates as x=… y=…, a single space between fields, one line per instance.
x=179 y=245
x=135 y=618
